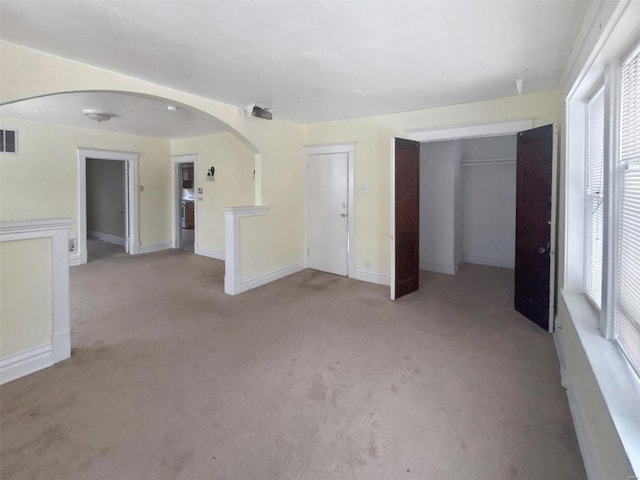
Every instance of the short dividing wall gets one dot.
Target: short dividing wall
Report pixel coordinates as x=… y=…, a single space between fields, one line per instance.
x=34 y=300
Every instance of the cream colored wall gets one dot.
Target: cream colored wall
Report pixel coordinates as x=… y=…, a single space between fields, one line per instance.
x=26 y=295
x=372 y=165
x=279 y=142
x=41 y=181
x=232 y=184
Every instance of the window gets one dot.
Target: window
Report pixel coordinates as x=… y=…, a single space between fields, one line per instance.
x=594 y=214
x=8 y=141
x=627 y=305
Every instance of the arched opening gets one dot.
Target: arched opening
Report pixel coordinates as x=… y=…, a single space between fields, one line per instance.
x=46 y=180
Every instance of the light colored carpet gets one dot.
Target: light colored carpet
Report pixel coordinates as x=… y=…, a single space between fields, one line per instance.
x=312 y=377
x=98 y=249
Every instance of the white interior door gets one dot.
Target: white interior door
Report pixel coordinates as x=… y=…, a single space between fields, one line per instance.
x=328 y=227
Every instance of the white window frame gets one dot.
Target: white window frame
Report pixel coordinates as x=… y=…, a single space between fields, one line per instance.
x=587 y=206
x=618 y=383
x=617 y=169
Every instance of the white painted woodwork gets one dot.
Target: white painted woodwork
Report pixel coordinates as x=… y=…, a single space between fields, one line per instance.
x=59 y=347
x=133 y=228
x=328 y=201
x=232 y=216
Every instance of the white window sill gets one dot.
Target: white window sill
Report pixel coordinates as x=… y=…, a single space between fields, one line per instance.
x=618 y=383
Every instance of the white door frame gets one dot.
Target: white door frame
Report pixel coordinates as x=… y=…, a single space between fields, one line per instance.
x=392 y=231
x=349 y=150
x=131 y=174
x=438 y=135
x=176 y=207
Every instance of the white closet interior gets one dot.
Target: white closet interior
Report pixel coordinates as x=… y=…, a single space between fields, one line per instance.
x=467 y=203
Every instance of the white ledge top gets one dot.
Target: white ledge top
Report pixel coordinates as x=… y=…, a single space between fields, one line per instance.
x=246 y=211
x=618 y=384
x=35 y=225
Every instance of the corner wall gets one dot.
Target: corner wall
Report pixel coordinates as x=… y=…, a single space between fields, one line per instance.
x=439 y=206
x=41 y=181
x=232 y=184
x=372 y=156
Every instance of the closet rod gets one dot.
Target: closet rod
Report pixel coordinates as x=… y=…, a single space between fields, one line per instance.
x=497 y=161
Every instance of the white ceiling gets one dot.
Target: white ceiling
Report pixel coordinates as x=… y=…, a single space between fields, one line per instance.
x=313 y=61
x=134 y=114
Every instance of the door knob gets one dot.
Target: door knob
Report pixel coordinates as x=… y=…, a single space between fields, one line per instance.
x=343 y=215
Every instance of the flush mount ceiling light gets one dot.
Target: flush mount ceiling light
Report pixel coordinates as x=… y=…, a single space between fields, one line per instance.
x=97 y=115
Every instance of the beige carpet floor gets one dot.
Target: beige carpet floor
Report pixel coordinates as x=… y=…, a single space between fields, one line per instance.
x=311 y=377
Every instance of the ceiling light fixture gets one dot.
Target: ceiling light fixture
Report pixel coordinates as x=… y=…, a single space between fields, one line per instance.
x=97 y=115
x=171 y=108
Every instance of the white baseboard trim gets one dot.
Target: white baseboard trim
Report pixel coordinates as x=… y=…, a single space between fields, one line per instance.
x=272 y=276
x=209 y=252
x=492 y=262
x=75 y=259
x=584 y=433
x=156 y=247
x=372 y=277
x=105 y=237
x=24 y=363
x=438 y=268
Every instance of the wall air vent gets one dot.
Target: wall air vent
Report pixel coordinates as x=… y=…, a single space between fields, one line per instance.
x=8 y=141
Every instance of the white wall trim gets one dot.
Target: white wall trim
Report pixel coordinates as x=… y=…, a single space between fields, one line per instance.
x=105 y=237
x=26 y=362
x=232 y=216
x=131 y=159
x=209 y=252
x=492 y=262
x=392 y=229
x=372 y=277
x=40 y=225
x=155 y=247
x=328 y=149
x=75 y=259
x=60 y=344
x=349 y=150
x=438 y=268
x=176 y=206
x=467 y=131
x=272 y=276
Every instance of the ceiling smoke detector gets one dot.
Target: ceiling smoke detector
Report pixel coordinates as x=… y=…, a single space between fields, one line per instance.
x=97 y=115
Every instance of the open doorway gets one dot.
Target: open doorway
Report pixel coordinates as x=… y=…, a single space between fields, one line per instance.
x=107 y=208
x=130 y=166
x=468 y=203
x=184 y=202
x=440 y=196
